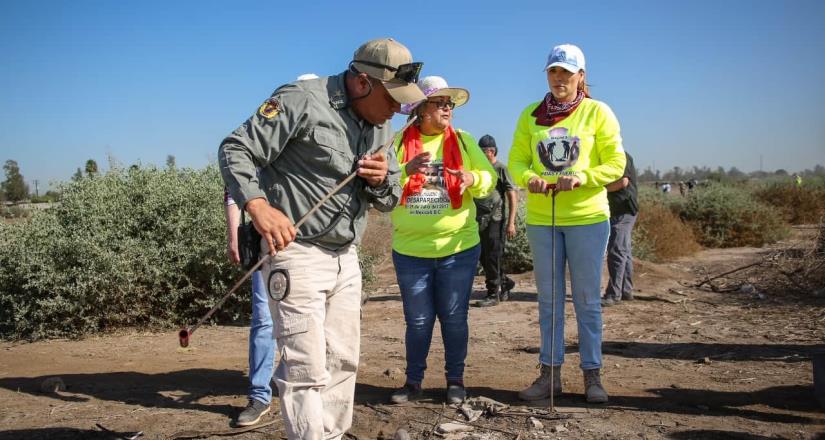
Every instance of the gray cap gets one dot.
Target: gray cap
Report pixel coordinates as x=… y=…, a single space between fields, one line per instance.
x=487 y=141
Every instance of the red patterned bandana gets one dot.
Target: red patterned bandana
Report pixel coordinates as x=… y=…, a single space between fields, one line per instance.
x=550 y=112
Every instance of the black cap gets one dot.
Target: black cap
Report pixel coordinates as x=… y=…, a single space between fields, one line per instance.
x=487 y=141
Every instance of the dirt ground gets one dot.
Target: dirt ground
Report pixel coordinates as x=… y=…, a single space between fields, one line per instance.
x=680 y=363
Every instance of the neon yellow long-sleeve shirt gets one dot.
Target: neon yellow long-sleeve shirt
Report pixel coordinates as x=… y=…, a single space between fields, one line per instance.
x=587 y=143
x=427 y=226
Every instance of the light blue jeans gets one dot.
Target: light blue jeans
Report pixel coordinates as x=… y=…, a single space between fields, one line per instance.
x=430 y=288
x=583 y=249
x=262 y=345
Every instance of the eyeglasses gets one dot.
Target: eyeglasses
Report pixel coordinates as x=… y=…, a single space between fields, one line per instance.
x=443 y=104
x=405 y=72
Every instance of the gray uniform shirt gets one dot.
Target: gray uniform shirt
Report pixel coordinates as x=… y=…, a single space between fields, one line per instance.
x=491 y=206
x=305 y=139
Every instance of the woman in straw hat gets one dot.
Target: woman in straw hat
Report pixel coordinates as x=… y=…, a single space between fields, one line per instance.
x=568 y=144
x=435 y=236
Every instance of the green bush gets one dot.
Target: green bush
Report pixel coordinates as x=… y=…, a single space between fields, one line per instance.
x=14 y=212
x=728 y=216
x=136 y=247
x=517 y=256
x=141 y=247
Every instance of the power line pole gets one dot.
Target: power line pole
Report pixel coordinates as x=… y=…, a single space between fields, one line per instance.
x=36 y=193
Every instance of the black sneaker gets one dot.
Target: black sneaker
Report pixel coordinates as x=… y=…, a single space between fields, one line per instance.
x=252 y=413
x=509 y=284
x=410 y=391
x=608 y=301
x=455 y=393
x=489 y=301
x=627 y=296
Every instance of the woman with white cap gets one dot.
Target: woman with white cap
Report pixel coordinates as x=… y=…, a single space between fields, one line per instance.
x=435 y=236
x=571 y=145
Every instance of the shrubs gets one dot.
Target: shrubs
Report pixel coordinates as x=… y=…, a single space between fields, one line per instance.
x=139 y=247
x=517 y=255
x=136 y=247
x=797 y=205
x=728 y=216
x=14 y=212
x=659 y=234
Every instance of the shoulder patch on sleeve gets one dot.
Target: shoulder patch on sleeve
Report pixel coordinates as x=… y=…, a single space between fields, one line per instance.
x=270 y=108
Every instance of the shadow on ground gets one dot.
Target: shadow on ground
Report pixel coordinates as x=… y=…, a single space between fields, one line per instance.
x=55 y=434
x=178 y=389
x=700 y=402
x=721 y=352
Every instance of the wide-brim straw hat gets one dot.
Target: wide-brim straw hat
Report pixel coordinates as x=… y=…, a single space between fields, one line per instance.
x=437 y=86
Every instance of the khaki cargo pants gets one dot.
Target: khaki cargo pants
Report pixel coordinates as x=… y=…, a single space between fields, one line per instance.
x=318 y=329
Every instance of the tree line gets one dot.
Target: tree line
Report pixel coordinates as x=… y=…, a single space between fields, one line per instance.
x=719 y=174
x=15 y=190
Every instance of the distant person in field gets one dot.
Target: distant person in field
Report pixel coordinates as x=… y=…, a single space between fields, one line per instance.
x=797 y=180
x=624 y=207
x=567 y=113
x=435 y=242
x=682 y=188
x=493 y=229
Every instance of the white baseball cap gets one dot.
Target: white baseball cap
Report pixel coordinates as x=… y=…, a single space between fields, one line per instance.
x=567 y=56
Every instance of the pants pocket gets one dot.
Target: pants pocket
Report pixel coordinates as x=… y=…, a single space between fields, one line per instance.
x=302 y=351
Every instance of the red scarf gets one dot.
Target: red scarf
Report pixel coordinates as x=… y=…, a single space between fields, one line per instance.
x=451 y=159
x=550 y=112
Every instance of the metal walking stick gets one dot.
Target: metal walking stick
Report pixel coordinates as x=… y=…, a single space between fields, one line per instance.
x=185 y=333
x=553 y=296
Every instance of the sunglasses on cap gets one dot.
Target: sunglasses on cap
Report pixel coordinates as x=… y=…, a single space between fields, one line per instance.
x=406 y=72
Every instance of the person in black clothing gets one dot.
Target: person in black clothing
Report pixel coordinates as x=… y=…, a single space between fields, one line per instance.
x=490 y=214
x=624 y=206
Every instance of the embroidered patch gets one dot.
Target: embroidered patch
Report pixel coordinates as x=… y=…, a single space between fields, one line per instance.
x=270 y=108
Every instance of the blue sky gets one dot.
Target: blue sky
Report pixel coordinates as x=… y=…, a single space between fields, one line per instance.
x=716 y=83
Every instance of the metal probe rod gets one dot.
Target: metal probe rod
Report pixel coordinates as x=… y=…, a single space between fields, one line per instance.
x=185 y=333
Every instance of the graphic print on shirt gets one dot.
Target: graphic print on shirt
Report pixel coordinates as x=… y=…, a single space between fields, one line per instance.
x=433 y=198
x=558 y=151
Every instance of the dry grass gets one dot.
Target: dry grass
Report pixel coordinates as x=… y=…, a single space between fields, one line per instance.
x=377 y=240
x=660 y=235
x=798 y=205
x=800 y=267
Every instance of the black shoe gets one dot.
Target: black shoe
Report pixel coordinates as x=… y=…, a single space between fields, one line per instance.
x=489 y=301
x=627 y=296
x=455 y=393
x=608 y=301
x=505 y=296
x=252 y=413
x=509 y=284
x=410 y=391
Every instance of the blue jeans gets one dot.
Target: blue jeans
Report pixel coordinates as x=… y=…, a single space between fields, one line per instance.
x=583 y=247
x=430 y=288
x=261 y=343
